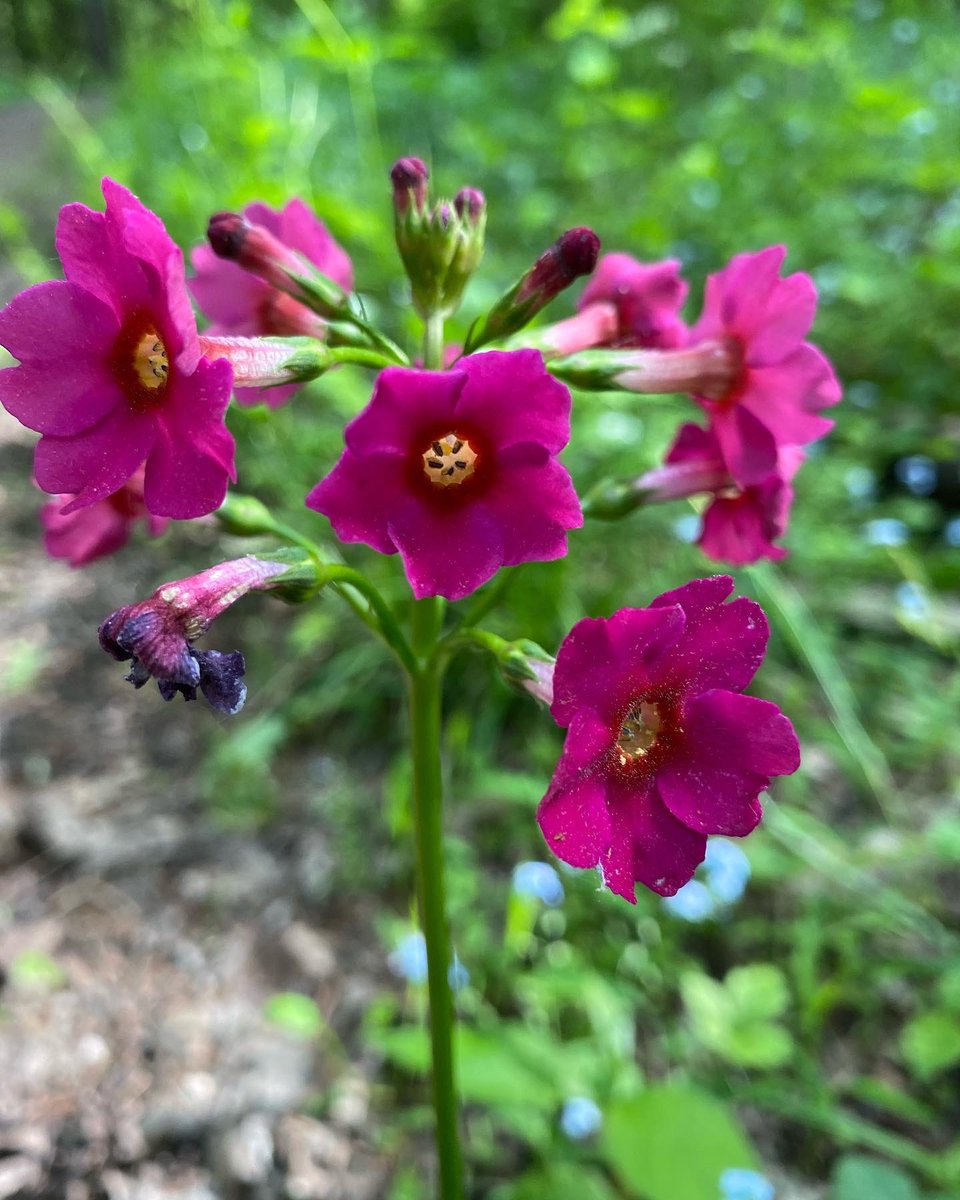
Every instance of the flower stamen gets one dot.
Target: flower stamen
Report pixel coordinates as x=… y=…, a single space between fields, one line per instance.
x=639 y=731
x=150 y=361
x=449 y=461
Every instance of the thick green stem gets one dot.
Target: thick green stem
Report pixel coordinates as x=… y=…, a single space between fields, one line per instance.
x=433 y=342
x=425 y=710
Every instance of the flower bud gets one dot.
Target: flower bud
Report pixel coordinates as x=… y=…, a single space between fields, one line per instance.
x=572 y=255
x=409 y=178
x=257 y=250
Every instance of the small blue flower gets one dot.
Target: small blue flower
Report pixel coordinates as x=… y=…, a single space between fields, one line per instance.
x=692 y=902
x=912 y=600
x=539 y=880
x=457 y=976
x=727 y=869
x=408 y=959
x=951 y=532
x=886 y=531
x=580 y=1118
x=740 y=1184
x=917 y=473
x=686 y=528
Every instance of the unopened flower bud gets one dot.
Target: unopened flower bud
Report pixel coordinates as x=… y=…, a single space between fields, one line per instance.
x=257 y=250
x=572 y=255
x=409 y=178
x=440 y=248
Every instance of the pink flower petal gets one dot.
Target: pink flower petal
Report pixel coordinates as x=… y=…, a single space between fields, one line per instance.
x=723 y=644
x=784 y=322
x=446 y=552
x=511 y=395
x=193 y=458
x=94 y=258
x=749 y=448
x=358 y=511
x=741 y=730
x=738 y=530
x=575 y=822
x=62 y=398
x=404 y=401
x=648 y=844
x=786 y=397
x=97 y=462
x=536 y=531
x=588 y=742
x=302 y=229
x=227 y=295
x=603 y=664
x=55 y=321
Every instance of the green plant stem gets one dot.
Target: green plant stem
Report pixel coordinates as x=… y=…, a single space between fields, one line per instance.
x=433 y=342
x=387 y=623
x=425 y=686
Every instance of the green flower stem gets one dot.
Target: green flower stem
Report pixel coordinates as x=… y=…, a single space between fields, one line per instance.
x=390 y=348
x=433 y=342
x=425 y=686
x=387 y=624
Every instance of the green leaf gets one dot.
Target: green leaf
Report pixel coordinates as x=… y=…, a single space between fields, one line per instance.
x=37 y=971
x=672 y=1143
x=758 y=992
x=931 y=1042
x=295 y=1014
x=564 y=1181
x=858 y=1177
x=762 y=1045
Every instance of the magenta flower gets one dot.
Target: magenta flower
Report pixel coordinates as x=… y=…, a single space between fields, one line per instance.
x=662 y=748
x=98 y=529
x=741 y=524
x=647 y=298
x=239 y=303
x=457 y=470
x=781 y=382
x=156 y=636
x=110 y=367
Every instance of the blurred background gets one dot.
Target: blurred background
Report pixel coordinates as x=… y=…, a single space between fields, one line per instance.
x=209 y=986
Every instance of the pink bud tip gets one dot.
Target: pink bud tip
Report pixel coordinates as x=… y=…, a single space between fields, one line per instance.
x=469 y=203
x=227 y=232
x=578 y=250
x=409 y=175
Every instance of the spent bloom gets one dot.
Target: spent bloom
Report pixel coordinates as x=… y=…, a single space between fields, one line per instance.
x=101 y=528
x=662 y=748
x=241 y=304
x=111 y=372
x=452 y=471
x=156 y=635
x=776 y=382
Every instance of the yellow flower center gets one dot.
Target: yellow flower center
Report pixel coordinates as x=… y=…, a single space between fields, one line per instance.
x=638 y=732
x=150 y=361
x=450 y=461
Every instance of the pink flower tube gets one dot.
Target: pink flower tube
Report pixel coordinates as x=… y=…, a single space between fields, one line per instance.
x=662 y=747
x=110 y=368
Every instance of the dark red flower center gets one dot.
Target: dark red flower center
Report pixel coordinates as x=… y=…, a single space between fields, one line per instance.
x=728 y=377
x=638 y=731
x=647 y=733
x=140 y=362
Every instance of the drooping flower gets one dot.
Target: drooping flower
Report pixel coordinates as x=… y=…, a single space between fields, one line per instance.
x=780 y=382
x=742 y=523
x=156 y=635
x=110 y=367
x=101 y=528
x=240 y=303
x=662 y=748
x=457 y=470
x=647 y=298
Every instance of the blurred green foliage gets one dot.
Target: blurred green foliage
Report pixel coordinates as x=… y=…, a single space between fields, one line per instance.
x=673 y=129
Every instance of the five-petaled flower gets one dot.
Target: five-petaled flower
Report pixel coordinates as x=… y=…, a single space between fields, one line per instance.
x=240 y=304
x=99 y=529
x=457 y=470
x=111 y=372
x=778 y=382
x=156 y=636
x=662 y=748
x=646 y=297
